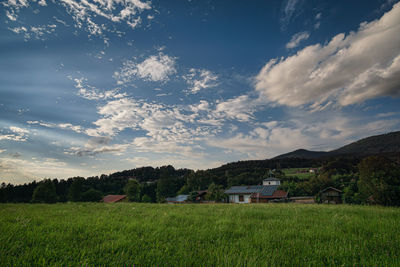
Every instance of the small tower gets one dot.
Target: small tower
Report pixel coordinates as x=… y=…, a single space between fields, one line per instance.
x=271 y=181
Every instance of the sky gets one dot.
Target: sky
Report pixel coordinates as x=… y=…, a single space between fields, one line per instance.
x=96 y=86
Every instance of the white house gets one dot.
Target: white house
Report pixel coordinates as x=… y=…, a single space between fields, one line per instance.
x=256 y=193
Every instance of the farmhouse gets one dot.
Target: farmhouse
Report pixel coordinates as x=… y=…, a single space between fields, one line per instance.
x=113 y=198
x=264 y=193
x=331 y=195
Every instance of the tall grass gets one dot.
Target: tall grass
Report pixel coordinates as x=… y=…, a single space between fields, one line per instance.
x=128 y=234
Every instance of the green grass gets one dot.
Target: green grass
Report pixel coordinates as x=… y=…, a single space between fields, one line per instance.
x=125 y=234
x=303 y=176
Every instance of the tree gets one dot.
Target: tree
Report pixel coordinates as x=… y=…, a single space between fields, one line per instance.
x=92 y=195
x=146 y=199
x=215 y=192
x=45 y=192
x=379 y=181
x=76 y=189
x=165 y=188
x=132 y=190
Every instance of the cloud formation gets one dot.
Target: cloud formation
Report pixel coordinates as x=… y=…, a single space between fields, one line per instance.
x=349 y=69
x=85 y=14
x=156 y=68
x=14 y=133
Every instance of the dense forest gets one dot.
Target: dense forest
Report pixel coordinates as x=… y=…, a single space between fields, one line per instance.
x=368 y=180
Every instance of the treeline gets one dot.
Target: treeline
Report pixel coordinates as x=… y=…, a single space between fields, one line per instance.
x=371 y=180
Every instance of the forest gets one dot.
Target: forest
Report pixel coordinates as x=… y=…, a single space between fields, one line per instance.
x=368 y=180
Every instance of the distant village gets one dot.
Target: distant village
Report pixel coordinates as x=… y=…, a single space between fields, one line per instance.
x=267 y=192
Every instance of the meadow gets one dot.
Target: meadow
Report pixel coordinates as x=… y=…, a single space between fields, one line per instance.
x=295 y=172
x=131 y=234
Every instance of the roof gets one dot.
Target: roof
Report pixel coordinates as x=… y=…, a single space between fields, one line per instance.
x=275 y=194
x=331 y=188
x=113 y=198
x=179 y=198
x=201 y=192
x=271 y=179
x=263 y=190
x=247 y=189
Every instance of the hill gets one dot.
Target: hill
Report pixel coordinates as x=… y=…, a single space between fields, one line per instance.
x=379 y=144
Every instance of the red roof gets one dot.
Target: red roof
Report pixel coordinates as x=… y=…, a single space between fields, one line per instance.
x=276 y=194
x=113 y=198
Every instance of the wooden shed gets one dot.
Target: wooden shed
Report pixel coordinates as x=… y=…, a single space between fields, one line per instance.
x=331 y=195
x=113 y=198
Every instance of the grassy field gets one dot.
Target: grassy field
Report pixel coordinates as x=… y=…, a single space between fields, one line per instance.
x=125 y=234
x=293 y=172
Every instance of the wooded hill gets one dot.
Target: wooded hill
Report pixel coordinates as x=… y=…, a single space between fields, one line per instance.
x=388 y=144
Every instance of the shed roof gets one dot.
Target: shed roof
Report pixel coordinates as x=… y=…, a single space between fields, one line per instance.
x=113 y=198
x=179 y=198
x=331 y=188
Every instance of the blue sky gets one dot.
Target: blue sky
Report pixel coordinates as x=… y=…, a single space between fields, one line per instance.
x=95 y=86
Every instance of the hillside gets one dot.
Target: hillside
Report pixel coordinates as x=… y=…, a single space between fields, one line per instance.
x=379 y=144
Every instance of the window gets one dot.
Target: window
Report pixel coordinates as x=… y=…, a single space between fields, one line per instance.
x=241 y=198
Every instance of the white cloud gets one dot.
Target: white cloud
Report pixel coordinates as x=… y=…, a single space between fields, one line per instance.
x=156 y=68
x=240 y=108
x=2 y=150
x=18 y=130
x=86 y=13
x=347 y=70
x=92 y=93
x=297 y=39
x=36 y=32
x=199 y=79
x=16 y=134
x=64 y=126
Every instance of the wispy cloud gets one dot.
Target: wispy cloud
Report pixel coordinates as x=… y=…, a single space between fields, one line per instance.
x=199 y=79
x=92 y=93
x=289 y=10
x=297 y=39
x=64 y=126
x=91 y=16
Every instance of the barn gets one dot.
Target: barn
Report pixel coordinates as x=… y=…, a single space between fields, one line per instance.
x=331 y=195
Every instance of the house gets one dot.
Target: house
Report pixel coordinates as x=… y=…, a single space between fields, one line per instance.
x=330 y=195
x=177 y=199
x=113 y=198
x=264 y=193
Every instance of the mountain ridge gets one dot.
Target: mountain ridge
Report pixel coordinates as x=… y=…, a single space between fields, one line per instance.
x=372 y=145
